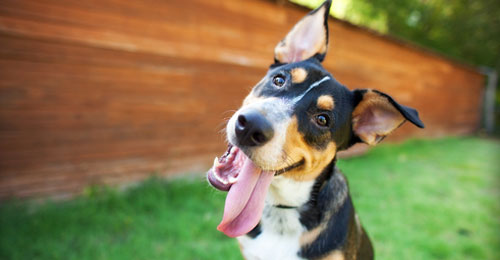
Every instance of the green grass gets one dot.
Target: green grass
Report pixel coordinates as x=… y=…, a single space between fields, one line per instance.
x=434 y=199
x=430 y=199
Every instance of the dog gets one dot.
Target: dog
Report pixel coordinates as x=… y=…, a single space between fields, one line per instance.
x=286 y=198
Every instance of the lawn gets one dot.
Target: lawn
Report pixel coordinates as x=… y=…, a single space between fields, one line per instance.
x=434 y=199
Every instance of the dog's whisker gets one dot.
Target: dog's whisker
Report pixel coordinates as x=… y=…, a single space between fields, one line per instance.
x=229 y=111
x=222 y=131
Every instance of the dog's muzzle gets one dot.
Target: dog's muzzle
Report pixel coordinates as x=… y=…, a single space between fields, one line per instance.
x=252 y=128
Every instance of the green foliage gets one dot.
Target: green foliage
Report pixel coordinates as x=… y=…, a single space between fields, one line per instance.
x=464 y=29
x=435 y=199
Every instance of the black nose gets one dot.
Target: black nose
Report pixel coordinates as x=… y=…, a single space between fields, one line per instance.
x=253 y=129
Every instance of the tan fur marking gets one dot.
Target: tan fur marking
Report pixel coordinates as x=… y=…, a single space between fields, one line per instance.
x=298 y=75
x=310 y=236
x=335 y=255
x=297 y=149
x=326 y=102
x=375 y=105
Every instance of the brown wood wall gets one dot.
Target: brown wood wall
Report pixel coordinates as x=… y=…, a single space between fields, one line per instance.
x=110 y=91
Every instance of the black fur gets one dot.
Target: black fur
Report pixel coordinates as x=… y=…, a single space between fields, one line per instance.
x=409 y=113
x=329 y=207
x=255 y=232
x=311 y=213
x=334 y=236
x=324 y=205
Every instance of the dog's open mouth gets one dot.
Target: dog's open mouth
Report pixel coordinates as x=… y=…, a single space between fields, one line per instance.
x=247 y=185
x=226 y=170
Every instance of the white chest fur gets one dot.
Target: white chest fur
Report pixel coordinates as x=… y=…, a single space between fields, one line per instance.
x=280 y=228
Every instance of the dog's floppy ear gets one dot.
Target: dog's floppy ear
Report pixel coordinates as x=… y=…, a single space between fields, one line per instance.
x=308 y=38
x=376 y=115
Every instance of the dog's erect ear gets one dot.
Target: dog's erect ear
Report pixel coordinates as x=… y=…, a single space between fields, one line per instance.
x=308 y=38
x=376 y=115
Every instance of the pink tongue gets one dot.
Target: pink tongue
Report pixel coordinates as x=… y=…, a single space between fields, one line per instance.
x=245 y=200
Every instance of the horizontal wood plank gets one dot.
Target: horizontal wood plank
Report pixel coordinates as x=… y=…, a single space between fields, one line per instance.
x=112 y=91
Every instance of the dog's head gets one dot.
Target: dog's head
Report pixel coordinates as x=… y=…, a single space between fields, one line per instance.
x=294 y=121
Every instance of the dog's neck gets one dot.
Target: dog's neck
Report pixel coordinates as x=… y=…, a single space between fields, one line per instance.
x=295 y=206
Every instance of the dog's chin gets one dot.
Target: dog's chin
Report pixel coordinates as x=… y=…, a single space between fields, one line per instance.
x=278 y=166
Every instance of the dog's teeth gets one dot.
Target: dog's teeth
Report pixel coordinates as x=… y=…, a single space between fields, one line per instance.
x=216 y=161
x=232 y=179
x=232 y=155
x=219 y=178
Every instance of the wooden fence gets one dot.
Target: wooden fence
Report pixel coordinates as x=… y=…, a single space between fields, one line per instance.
x=110 y=91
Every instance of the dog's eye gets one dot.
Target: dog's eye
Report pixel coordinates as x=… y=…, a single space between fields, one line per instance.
x=322 y=120
x=279 y=81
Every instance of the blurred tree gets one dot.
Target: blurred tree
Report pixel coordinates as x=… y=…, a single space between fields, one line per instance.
x=468 y=30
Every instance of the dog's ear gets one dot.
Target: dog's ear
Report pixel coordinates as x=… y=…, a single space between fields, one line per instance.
x=308 y=38
x=376 y=115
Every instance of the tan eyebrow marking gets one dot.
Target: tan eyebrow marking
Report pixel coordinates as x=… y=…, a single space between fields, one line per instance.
x=325 y=102
x=298 y=75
